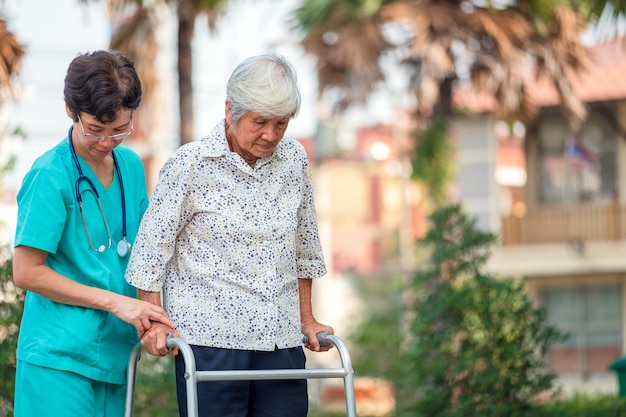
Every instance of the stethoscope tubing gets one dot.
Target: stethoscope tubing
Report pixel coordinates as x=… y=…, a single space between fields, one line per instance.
x=121 y=250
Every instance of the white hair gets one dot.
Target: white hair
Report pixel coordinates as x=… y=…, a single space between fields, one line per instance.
x=266 y=84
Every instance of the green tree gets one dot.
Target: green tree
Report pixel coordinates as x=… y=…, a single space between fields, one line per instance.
x=431 y=161
x=475 y=344
x=11 y=303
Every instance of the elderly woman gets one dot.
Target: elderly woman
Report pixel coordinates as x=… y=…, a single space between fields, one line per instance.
x=230 y=238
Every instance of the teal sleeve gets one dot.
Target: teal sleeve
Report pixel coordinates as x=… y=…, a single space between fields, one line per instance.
x=42 y=209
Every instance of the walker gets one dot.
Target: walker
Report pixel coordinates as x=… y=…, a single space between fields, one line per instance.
x=193 y=376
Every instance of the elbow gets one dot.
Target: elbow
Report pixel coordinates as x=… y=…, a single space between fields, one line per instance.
x=26 y=262
x=19 y=280
x=19 y=276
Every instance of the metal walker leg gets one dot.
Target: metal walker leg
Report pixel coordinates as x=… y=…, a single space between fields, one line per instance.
x=193 y=376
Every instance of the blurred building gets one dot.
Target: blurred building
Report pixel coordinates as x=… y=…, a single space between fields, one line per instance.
x=363 y=189
x=557 y=199
x=370 y=212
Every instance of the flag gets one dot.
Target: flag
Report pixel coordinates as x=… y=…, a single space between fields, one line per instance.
x=580 y=156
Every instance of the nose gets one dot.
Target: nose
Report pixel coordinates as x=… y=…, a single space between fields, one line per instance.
x=109 y=143
x=271 y=133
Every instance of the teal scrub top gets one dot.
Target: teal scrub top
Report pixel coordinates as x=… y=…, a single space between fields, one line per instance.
x=90 y=342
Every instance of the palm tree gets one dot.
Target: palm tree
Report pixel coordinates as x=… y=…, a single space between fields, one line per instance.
x=499 y=48
x=188 y=11
x=442 y=44
x=11 y=56
x=346 y=39
x=438 y=41
x=135 y=37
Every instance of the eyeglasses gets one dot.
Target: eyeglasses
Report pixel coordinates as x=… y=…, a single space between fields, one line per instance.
x=98 y=138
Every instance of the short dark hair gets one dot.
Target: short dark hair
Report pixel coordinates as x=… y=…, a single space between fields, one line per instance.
x=101 y=83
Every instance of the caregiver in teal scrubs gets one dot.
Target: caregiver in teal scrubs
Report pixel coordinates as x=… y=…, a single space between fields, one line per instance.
x=81 y=318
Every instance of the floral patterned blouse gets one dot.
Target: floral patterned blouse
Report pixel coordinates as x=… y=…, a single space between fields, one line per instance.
x=226 y=244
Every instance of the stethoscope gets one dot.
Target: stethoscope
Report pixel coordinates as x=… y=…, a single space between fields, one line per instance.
x=123 y=247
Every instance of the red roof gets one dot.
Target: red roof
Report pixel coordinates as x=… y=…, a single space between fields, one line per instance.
x=604 y=80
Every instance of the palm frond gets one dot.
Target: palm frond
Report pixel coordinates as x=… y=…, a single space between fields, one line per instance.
x=348 y=53
x=136 y=39
x=11 y=56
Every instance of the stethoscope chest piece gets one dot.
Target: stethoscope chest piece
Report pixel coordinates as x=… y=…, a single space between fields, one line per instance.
x=123 y=248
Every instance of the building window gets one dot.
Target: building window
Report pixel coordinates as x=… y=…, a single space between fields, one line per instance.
x=576 y=167
x=591 y=316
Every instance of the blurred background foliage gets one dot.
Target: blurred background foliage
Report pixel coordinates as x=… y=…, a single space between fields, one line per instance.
x=155 y=387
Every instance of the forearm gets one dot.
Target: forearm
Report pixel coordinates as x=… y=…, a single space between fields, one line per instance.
x=150 y=296
x=306 y=305
x=309 y=326
x=155 y=340
x=30 y=273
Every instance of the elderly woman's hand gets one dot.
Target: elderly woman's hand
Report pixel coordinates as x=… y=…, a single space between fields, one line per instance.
x=154 y=340
x=310 y=329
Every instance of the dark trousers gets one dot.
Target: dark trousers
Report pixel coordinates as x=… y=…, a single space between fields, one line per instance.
x=262 y=398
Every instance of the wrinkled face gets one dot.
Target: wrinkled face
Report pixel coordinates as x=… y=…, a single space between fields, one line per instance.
x=255 y=136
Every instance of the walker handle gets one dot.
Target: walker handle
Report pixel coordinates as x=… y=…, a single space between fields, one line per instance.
x=322 y=337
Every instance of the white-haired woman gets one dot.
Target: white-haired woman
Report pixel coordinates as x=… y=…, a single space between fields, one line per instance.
x=230 y=238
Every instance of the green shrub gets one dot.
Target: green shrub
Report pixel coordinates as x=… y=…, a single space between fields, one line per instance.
x=476 y=344
x=155 y=387
x=11 y=307
x=376 y=340
x=583 y=406
x=315 y=412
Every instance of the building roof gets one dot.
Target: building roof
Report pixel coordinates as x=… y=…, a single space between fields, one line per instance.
x=604 y=80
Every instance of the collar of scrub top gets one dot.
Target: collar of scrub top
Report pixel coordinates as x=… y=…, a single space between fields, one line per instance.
x=123 y=246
